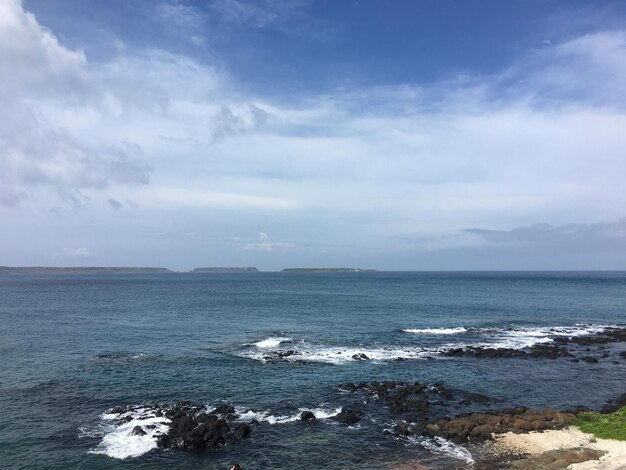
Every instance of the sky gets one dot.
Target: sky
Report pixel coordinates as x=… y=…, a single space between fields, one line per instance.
x=394 y=135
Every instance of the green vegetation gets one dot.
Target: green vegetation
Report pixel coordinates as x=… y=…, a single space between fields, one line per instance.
x=604 y=426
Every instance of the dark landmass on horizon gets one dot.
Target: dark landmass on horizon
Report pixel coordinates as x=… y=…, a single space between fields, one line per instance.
x=77 y=270
x=327 y=270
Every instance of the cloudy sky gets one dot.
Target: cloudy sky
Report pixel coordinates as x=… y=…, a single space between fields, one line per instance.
x=278 y=133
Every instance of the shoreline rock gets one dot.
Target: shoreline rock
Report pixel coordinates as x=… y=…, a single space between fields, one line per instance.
x=193 y=428
x=552 y=449
x=482 y=426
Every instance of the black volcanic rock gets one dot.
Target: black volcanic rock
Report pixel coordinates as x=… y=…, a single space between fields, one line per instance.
x=360 y=357
x=192 y=428
x=138 y=431
x=307 y=416
x=537 y=351
x=589 y=359
x=348 y=416
x=614 y=405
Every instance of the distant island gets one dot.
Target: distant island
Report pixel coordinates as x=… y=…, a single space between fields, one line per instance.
x=248 y=269
x=327 y=270
x=77 y=270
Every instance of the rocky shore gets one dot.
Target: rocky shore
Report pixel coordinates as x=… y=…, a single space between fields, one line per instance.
x=193 y=428
x=589 y=348
x=411 y=410
x=497 y=438
x=425 y=411
x=552 y=449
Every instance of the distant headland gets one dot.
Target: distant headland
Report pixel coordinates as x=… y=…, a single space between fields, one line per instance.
x=77 y=270
x=117 y=270
x=327 y=270
x=151 y=270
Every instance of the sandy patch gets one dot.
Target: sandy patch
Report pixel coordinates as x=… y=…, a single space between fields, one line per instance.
x=539 y=442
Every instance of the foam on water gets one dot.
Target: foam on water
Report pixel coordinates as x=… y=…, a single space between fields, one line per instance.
x=519 y=338
x=271 y=342
x=436 y=331
x=342 y=355
x=439 y=445
x=119 y=442
x=268 y=417
x=498 y=338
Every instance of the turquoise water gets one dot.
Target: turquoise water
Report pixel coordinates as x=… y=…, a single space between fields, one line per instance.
x=72 y=347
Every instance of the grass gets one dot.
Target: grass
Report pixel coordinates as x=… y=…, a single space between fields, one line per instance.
x=604 y=426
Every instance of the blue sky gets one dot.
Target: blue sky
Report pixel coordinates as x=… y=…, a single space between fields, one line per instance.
x=392 y=135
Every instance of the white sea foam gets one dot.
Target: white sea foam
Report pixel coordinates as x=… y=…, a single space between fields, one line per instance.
x=512 y=338
x=439 y=445
x=515 y=339
x=267 y=417
x=271 y=342
x=342 y=355
x=436 y=331
x=119 y=442
x=524 y=337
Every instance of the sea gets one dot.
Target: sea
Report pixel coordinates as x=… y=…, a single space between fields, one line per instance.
x=74 y=347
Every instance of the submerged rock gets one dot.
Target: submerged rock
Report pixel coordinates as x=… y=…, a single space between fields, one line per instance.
x=474 y=398
x=614 y=405
x=138 y=431
x=274 y=355
x=360 y=357
x=307 y=416
x=348 y=416
x=589 y=359
x=554 y=350
x=537 y=351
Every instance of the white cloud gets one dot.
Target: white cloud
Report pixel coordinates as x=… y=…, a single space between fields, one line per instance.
x=32 y=58
x=76 y=253
x=42 y=80
x=355 y=168
x=185 y=19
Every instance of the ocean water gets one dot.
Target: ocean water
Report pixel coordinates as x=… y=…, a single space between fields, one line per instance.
x=73 y=347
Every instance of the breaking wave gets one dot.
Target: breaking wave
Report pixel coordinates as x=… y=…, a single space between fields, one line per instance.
x=439 y=445
x=269 y=350
x=267 y=416
x=436 y=331
x=131 y=433
x=271 y=342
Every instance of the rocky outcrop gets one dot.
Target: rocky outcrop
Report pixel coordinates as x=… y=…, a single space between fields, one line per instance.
x=275 y=355
x=414 y=400
x=193 y=428
x=614 y=405
x=537 y=351
x=481 y=426
x=307 y=416
x=575 y=347
x=348 y=416
x=360 y=357
x=550 y=460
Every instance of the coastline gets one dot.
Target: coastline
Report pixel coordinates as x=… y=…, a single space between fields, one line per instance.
x=563 y=448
